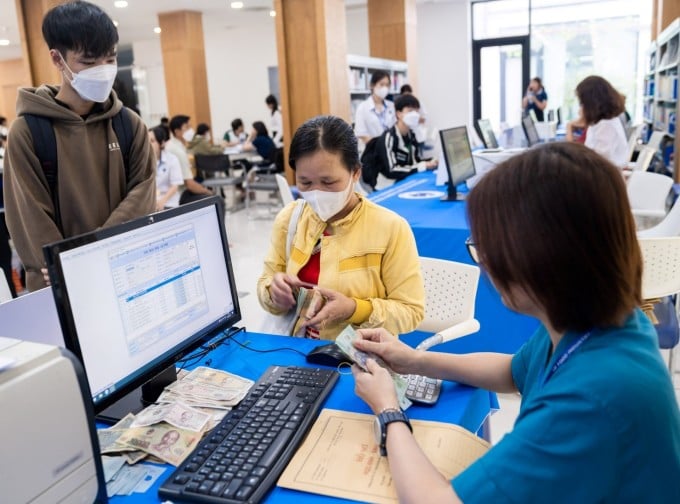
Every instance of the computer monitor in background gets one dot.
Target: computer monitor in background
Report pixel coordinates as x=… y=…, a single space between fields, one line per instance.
x=530 y=131
x=486 y=134
x=135 y=298
x=458 y=158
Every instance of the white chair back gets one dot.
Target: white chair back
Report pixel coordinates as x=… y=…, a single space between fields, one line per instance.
x=661 y=266
x=450 y=291
x=669 y=226
x=643 y=160
x=5 y=293
x=647 y=193
x=284 y=189
x=634 y=134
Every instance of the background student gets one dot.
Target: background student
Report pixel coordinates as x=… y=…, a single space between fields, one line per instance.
x=361 y=256
x=275 y=119
x=236 y=135
x=598 y=404
x=261 y=142
x=202 y=142
x=535 y=99
x=96 y=187
x=375 y=114
x=168 y=170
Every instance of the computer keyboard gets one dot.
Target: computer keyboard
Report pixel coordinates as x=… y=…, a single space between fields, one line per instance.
x=241 y=458
x=423 y=389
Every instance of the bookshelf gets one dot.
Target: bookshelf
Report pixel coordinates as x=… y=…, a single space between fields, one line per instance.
x=660 y=99
x=359 y=71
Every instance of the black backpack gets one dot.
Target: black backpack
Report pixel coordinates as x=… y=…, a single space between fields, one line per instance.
x=370 y=162
x=45 y=147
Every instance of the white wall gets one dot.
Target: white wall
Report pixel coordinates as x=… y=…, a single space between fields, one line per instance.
x=153 y=100
x=357 y=30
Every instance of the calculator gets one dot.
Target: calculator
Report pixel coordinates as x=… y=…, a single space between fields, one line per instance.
x=423 y=389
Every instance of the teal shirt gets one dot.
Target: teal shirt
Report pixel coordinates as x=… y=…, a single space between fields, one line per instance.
x=604 y=428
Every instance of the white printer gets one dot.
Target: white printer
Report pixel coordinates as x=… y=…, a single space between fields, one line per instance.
x=49 y=449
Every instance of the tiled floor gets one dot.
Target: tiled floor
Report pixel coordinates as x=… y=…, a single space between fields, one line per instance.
x=249 y=235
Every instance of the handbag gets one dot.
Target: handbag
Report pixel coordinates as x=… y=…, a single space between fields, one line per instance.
x=284 y=323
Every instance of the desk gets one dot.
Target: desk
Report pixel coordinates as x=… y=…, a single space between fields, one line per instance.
x=440 y=229
x=458 y=404
x=238 y=154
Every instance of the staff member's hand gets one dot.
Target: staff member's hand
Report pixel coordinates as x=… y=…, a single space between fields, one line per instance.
x=400 y=357
x=283 y=291
x=375 y=386
x=337 y=308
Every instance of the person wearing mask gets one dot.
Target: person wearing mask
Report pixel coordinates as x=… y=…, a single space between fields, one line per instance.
x=202 y=142
x=168 y=170
x=96 y=187
x=535 y=99
x=181 y=133
x=236 y=135
x=601 y=106
x=4 y=129
x=375 y=114
x=395 y=153
x=553 y=230
x=361 y=257
x=275 y=120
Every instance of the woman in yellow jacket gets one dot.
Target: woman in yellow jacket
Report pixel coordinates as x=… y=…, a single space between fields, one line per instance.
x=361 y=257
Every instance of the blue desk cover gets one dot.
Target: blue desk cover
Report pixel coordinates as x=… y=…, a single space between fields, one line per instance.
x=440 y=229
x=459 y=404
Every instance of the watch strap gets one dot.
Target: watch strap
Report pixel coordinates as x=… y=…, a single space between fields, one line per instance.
x=385 y=418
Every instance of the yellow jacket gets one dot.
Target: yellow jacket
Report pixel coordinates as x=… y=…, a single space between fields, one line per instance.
x=370 y=256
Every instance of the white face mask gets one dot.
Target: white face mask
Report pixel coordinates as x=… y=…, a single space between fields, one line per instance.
x=188 y=135
x=4 y=130
x=327 y=204
x=411 y=119
x=93 y=84
x=381 y=91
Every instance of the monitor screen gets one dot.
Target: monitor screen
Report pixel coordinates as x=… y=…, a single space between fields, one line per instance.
x=134 y=298
x=530 y=131
x=458 y=158
x=487 y=134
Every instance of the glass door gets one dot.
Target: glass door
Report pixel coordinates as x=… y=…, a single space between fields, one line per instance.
x=500 y=77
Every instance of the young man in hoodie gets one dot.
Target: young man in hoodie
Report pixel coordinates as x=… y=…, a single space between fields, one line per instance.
x=95 y=189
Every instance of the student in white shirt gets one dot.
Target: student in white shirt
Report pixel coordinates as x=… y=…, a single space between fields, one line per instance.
x=375 y=114
x=168 y=170
x=276 y=119
x=601 y=106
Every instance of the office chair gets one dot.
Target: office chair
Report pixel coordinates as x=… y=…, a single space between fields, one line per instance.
x=644 y=159
x=669 y=226
x=209 y=165
x=647 y=193
x=634 y=135
x=660 y=279
x=284 y=189
x=450 y=290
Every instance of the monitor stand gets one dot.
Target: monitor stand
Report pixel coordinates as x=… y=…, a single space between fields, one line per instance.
x=139 y=398
x=452 y=194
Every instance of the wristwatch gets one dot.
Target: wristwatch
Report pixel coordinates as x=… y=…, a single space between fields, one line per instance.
x=382 y=420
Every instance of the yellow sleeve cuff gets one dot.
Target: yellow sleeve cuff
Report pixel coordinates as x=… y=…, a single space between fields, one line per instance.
x=362 y=312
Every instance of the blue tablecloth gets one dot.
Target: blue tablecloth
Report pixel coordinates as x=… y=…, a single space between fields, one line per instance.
x=459 y=404
x=440 y=229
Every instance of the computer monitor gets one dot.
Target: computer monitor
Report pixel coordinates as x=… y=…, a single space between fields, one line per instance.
x=135 y=298
x=486 y=134
x=530 y=131
x=458 y=159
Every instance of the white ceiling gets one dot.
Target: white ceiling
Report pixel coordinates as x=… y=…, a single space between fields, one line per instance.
x=138 y=19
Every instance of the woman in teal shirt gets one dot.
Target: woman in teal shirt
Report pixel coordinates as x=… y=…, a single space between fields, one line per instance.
x=599 y=420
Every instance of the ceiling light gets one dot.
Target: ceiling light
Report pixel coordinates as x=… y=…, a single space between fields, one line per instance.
x=237 y=5
x=157 y=29
x=4 y=42
x=272 y=13
x=121 y=4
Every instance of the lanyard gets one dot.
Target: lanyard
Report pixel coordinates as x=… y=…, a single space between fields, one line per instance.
x=566 y=354
x=381 y=116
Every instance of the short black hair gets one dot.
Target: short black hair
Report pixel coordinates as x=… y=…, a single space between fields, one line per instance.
x=325 y=133
x=80 y=27
x=178 y=121
x=202 y=129
x=406 y=88
x=236 y=124
x=271 y=100
x=160 y=133
x=379 y=75
x=164 y=120
x=406 y=100
x=3 y=120
x=260 y=128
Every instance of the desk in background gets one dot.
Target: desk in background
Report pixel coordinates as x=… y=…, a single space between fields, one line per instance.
x=458 y=404
x=440 y=229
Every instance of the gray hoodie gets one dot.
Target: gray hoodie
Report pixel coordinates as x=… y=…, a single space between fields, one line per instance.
x=93 y=190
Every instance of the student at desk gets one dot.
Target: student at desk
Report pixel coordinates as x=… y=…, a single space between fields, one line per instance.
x=236 y=135
x=261 y=142
x=202 y=142
x=361 y=256
x=599 y=421
x=395 y=153
x=375 y=114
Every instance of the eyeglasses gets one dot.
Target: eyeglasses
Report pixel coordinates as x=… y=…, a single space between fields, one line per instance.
x=472 y=250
